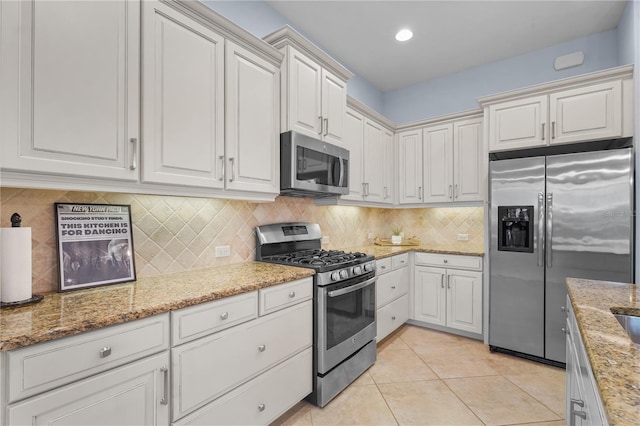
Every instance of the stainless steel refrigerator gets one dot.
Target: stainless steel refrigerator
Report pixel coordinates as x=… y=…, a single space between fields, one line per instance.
x=553 y=217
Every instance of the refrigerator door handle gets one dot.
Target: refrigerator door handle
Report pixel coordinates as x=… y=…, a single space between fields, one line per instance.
x=549 y=235
x=541 y=240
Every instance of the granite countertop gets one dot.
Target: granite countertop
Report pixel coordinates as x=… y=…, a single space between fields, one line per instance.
x=74 y=312
x=386 y=251
x=66 y=314
x=614 y=358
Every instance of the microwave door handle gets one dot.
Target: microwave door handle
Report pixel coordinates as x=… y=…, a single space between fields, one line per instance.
x=341 y=180
x=352 y=288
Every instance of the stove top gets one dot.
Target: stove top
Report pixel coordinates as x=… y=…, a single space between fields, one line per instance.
x=319 y=259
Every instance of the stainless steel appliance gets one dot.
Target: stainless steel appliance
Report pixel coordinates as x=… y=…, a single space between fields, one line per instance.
x=344 y=303
x=552 y=217
x=312 y=168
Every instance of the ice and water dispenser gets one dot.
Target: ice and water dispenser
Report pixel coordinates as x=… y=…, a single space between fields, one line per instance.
x=515 y=228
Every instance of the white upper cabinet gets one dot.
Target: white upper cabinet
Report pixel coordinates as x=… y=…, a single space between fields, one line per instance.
x=388 y=177
x=69 y=88
x=183 y=103
x=252 y=133
x=314 y=88
x=587 y=108
x=374 y=161
x=437 y=151
x=469 y=161
x=518 y=123
x=593 y=112
x=443 y=162
x=410 y=166
x=353 y=141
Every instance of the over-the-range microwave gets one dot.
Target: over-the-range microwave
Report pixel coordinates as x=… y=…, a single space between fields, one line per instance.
x=310 y=167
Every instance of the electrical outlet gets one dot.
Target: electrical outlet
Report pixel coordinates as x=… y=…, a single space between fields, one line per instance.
x=325 y=239
x=463 y=237
x=223 y=251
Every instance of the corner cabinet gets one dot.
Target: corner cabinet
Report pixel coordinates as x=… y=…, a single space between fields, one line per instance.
x=314 y=88
x=583 y=404
x=443 y=162
x=69 y=88
x=448 y=291
x=392 y=294
x=595 y=106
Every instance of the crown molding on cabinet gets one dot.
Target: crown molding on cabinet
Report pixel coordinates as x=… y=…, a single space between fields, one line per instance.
x=617 y=73
x=231 y=31
x=287 y=36
x=471 y=113
x=371 y=113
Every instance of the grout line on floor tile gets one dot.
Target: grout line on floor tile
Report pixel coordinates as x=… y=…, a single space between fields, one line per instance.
x=561 y=417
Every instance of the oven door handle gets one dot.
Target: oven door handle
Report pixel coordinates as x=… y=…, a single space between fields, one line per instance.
x=352 y=288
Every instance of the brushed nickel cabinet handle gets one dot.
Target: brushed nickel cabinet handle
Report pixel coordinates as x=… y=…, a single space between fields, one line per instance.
x=134 y=155
x=262 y=348
x=321 y=125
x=105 y=352
x=442 y=280
x=165 y=398
x=224 y=315
x=261 y=407
x=221 y=158
x=292 y=294
x=543 y=130
x=233 y=171
x=553 y=130
x=326 y=127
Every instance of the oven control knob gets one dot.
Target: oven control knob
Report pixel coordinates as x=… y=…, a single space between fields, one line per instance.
x=368 y=267
x=335 y=276
x=357 y=270
x=344 y=274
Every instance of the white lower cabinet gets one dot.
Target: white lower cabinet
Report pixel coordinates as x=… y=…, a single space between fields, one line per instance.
x=447 y=296
x=583 y=405
x=136 y=394
x=392 y=294
x=240 y=374
x=117 y=375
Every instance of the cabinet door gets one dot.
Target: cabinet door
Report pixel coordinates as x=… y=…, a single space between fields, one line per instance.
x=252 y=133
x=469 y=176
x=334 y=105
x=388 y=159
x=183 y=102
x=353 y=141
x=135 y=394
x=430 y=295
x=410 y=166
x=518 y=124
x=373 y=161
x=70 y=88
x=437 y=157
x=464 y=300
x=304 y=102
x=586 y=113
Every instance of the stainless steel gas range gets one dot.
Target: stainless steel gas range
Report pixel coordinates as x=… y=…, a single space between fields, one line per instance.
x=344 y=303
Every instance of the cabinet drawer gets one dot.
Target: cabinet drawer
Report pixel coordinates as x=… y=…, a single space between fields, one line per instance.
x=281 y=296
x=449 y=261
x=261 y=400
x=38 y=368
x=206 y=368
x=198 y=321
x=391 y=286
x=383 y=265
x=392 y=316
x=400 y=260
x=128 y=395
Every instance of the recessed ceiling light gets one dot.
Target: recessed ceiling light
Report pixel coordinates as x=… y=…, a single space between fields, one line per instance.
x=404 y=35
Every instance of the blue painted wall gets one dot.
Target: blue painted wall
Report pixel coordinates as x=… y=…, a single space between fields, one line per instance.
x=626 y=42
x=456 y=92
x=260 y=19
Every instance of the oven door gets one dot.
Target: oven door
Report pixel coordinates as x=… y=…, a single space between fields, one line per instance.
x=346 y=319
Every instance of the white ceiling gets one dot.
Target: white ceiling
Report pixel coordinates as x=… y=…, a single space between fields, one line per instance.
x=449 y=36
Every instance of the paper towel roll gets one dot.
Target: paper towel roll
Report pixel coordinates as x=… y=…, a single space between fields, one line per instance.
x=15 y=281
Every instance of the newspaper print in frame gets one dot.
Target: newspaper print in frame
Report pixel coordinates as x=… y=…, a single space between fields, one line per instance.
x=95 y=245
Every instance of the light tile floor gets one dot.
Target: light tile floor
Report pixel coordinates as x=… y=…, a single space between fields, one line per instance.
x=426 y=377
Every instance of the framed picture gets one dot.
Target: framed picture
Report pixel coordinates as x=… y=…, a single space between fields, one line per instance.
x=95 y=245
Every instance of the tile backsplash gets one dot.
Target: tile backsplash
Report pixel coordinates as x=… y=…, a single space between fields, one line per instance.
x=172 y=234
